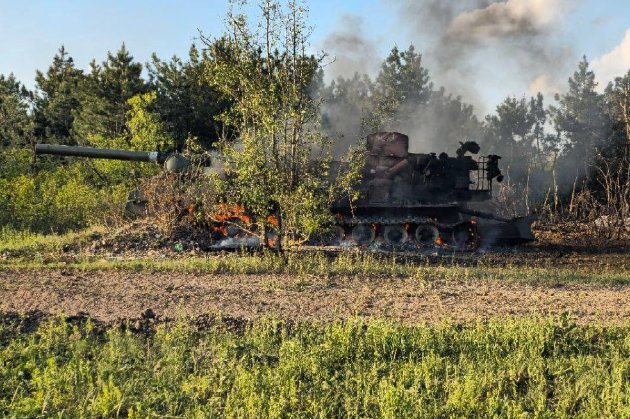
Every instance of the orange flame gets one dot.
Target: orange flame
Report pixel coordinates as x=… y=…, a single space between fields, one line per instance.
x=226 y=212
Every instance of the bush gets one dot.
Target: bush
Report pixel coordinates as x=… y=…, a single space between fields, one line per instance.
x=57 y=200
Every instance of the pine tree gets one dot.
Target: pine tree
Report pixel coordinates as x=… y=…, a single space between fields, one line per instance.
x=581 y=119
x=617 y=98
x=57 y=99
x=346 y=103
x=104 y=96
x=401 y=85
x=15 y=121
x=186 y=102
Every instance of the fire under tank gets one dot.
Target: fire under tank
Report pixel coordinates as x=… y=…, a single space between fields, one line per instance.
x=432 y=200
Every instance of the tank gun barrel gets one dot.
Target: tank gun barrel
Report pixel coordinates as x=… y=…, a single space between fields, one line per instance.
x=99 y=153
x=173 y=162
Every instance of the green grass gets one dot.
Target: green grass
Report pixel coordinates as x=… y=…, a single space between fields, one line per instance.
x=22 y=244
x=530 y=367
x=342 y=265
x=32 y=251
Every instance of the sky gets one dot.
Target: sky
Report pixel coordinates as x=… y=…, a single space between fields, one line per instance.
x=495 y=48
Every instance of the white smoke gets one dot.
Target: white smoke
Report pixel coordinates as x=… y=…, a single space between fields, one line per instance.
x=505 y=19
x=547 y=84
x=614 y=63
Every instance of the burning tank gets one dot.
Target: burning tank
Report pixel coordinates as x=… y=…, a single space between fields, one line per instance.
x=428 y=199
x=229 y=223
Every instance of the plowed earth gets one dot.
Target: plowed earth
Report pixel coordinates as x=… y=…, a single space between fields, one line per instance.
x=109 y=296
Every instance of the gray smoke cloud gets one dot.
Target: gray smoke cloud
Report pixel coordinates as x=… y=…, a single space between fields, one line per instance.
x=470 y=47
x=350 y=50
x=471 y=43
x=513 y=18
x=438 y=125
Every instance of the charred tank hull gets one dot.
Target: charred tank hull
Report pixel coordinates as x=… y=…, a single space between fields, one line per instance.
x=426 y=199
x=431 y=226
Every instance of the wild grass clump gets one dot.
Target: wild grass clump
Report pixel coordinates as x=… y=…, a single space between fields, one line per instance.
x=26 y=244
x=528 y=367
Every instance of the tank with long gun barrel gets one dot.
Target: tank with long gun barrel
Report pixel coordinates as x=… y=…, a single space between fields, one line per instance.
x=137 y=203
x=425 y=199
x=227 y=222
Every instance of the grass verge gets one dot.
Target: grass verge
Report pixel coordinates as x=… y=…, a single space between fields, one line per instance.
x=537 y=367
x=341 y=265
x=24 y=250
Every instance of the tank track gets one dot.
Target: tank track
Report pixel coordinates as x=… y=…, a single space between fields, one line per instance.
x=398 y=220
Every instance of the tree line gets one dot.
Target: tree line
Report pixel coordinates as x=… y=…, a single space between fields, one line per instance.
x=261 y=98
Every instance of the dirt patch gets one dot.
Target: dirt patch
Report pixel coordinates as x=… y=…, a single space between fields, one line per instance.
x=110 y=296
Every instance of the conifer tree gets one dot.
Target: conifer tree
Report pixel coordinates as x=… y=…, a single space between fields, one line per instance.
x=581 y=119
x=105 y=94
x=15 y=121
x=186 y=102
x=402 y=84
x=57 y=99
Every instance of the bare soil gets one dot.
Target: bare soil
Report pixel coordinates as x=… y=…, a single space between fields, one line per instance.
x=110 y=296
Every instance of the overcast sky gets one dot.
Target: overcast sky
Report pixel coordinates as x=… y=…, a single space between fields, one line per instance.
x=495 y=48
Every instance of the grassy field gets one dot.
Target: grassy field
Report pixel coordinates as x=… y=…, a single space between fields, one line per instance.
x=342 y=265
x=536 y=367
x=509 y=366
x=28 y=251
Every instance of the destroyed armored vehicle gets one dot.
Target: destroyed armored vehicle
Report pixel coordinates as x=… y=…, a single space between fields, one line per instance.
x=428 y=199
x=424 y=199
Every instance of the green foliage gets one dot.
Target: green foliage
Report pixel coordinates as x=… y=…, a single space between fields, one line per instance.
x=617 y=99
x=516 y=132
x=581 y=119
x=146 y=128
x=529 y=367
x=346 y=105
x=59 y=198
x=57 y=101
x=280 y=160
x=55 y=200
x=403 y=83
x=185 y=101
x=104 y=96
x=25 y=244
x=16 y=125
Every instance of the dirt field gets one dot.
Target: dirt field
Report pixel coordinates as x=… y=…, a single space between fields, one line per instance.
x=112 y=295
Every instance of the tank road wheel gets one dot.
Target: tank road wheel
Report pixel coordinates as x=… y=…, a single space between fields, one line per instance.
x=427 y=235
x=363 y=234
x=395 y=235
x=463 y=235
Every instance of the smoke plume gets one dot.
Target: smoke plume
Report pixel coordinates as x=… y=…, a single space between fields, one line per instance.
x=473 y=44
x=350 y=49
x=514 y=18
